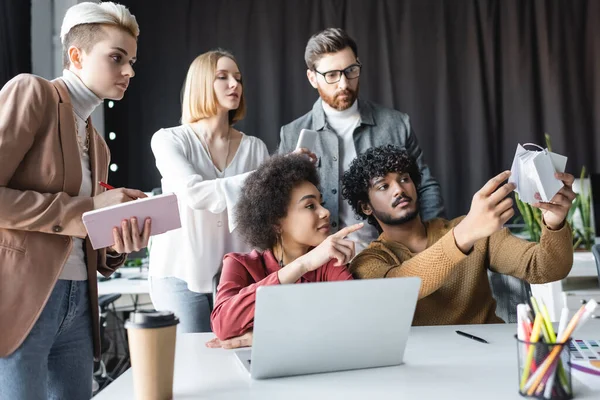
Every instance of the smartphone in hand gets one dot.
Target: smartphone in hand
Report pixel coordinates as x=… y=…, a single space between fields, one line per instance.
x=307 y=139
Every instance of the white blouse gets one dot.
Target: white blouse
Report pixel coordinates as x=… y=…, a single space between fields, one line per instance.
x=207 y=198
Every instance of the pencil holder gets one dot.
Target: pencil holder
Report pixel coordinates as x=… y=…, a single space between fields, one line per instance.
x=544 y=370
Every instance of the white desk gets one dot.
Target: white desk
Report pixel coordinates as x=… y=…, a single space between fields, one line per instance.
x=439 y=364
x=584 y=264
x=124 y=285
x=135 y=291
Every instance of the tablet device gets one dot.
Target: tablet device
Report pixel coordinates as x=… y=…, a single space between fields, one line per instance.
x=162 y=209
x=307 y=139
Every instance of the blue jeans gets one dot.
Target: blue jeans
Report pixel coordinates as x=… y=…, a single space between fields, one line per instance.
x=56 y=359
x=192 y=308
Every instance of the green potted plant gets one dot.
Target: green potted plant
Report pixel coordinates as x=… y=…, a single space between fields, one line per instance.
x=583 y=233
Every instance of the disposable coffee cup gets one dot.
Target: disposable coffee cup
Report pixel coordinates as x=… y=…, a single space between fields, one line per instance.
x=151 y=336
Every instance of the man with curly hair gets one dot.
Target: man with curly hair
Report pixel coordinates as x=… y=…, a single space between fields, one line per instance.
x=280 y=212
x=349 y=125
x=451 y=257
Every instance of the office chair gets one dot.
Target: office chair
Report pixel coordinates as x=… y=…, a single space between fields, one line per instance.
x=113 y=361
x=596 y=253
x=508 y=291
x=215 y=285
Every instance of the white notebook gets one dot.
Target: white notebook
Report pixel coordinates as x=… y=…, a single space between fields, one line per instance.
x=162 y=209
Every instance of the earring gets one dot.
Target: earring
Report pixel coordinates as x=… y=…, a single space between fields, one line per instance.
x=281 y=258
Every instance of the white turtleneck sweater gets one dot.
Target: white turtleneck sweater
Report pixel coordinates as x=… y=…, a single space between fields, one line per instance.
x=84 y=101
x=343 y=123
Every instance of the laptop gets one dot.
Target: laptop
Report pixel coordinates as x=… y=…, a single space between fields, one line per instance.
x=330 y=326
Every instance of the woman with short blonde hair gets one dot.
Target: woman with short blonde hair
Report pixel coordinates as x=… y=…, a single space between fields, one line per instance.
x=52 y=160
x=204 y=161
x=82 y=25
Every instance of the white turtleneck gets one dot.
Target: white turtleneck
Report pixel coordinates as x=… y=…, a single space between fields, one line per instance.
x=84 y=101
x=343 y=123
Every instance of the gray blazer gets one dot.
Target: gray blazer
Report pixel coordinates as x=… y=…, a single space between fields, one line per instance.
x=378 y=126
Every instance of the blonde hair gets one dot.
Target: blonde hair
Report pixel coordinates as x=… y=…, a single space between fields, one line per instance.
x=199 y=99
x=82 y=25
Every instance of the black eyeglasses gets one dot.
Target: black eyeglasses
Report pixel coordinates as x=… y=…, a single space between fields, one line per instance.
x=333 y=76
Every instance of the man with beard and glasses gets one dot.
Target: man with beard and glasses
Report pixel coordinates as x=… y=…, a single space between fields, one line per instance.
x=451 y=257
x=348 y=126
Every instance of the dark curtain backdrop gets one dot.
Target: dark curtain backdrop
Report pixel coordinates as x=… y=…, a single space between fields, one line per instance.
x=15 y=38
x=476 y=77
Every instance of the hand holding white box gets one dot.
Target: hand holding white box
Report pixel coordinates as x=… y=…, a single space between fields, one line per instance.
x=533 y=172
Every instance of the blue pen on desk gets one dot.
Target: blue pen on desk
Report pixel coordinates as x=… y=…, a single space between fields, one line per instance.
x=472 y=336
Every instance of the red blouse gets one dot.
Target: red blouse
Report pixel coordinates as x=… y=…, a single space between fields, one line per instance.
x=242 y=274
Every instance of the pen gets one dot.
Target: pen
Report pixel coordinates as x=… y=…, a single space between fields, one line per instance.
x=106 y=185
x=472 y=337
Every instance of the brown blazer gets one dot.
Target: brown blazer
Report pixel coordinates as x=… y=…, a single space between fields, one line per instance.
x=40 y=211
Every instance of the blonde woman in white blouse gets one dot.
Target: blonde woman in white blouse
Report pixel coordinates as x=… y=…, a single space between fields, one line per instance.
x=204 y=161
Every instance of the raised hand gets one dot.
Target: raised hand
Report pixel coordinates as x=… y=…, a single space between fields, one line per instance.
x=335 y=246
x=556 y=210
x=490 y=210
x=307 y=152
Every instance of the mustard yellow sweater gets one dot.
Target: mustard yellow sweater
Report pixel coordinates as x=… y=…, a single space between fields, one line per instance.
x=454 y=286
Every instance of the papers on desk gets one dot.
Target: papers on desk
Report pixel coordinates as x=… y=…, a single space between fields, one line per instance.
x=533 y=172
x=585 y=362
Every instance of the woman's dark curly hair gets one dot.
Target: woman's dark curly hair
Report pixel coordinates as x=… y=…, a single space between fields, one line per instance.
x=375 y=162
x=266 y=195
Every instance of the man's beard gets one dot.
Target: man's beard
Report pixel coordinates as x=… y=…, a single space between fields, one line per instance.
x=387 y=219
x=337 y=103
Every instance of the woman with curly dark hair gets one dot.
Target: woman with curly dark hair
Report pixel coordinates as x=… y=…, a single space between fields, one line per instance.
x=280 y=213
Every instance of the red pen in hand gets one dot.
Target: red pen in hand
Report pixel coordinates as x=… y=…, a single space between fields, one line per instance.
x=106 y=185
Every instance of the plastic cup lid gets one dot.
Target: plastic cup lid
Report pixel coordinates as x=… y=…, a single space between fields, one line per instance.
x=151 y=319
